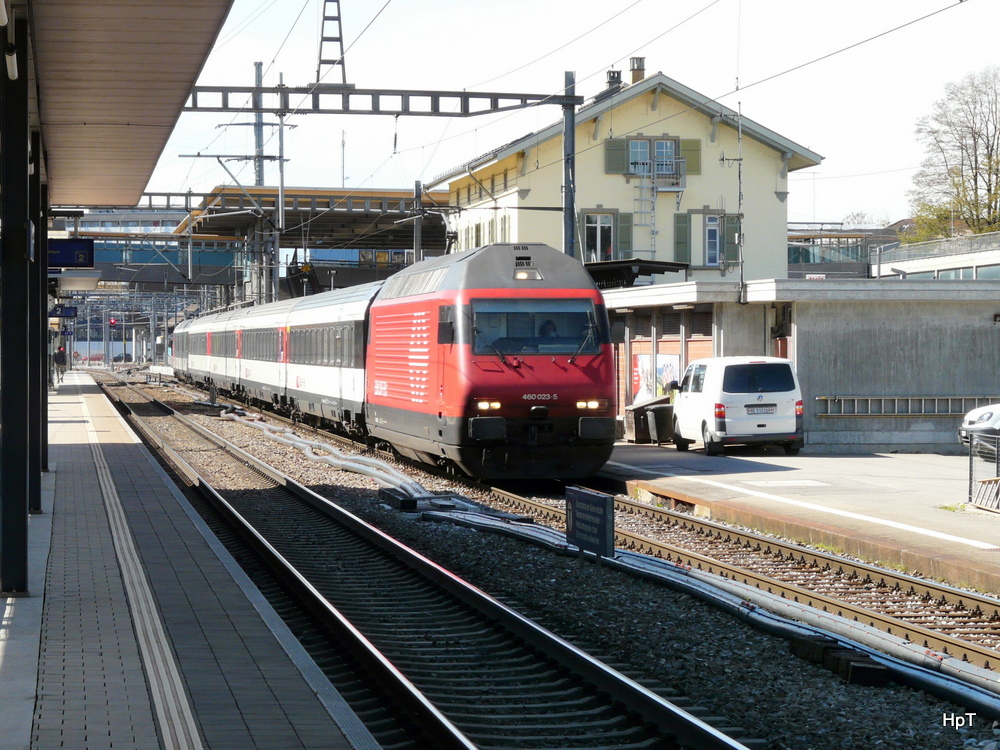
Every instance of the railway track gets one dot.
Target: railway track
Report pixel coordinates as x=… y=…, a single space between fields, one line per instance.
x=942 y=619
x=951 y=621
x=462 y=669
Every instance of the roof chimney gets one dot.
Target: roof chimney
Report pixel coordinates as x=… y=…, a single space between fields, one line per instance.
x=614 y=86
x=638 y=67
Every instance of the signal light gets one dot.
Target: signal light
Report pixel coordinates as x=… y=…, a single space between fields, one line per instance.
x=113 y=322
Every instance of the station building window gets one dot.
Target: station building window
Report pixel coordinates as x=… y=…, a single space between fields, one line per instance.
x=598 y=236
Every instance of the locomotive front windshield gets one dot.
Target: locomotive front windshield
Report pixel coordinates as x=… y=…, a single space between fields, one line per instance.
x=536 y=326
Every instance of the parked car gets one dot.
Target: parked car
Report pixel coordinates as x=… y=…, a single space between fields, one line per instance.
x=984 y=421
x=738 y=401
x=122 y=358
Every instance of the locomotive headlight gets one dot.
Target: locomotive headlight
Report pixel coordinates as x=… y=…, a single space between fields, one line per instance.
x=488 y=405
x=527 y=274
x=594 y=403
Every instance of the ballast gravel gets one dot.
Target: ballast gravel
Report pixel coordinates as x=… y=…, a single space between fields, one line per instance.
x=719 y=664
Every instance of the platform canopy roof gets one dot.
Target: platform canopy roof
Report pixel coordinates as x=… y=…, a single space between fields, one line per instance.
x=108 y=81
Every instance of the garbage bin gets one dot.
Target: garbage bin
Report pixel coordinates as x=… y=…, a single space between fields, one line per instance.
x=637 y=423
x=636 y=426
x=660 y=419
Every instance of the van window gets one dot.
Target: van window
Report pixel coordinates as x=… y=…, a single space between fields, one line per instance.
x=685 y=385
x=698 y=378
x=761 y=377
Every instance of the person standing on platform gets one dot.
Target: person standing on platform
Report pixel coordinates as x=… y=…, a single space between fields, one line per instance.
x=59 y=359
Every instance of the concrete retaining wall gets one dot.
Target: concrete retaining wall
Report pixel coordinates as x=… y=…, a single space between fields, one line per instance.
x=894 y=349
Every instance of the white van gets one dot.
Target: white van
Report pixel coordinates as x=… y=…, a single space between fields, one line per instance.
x=738 y=401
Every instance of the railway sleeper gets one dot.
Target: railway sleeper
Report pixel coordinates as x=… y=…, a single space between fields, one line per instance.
x=854 y=666
x=478 y=706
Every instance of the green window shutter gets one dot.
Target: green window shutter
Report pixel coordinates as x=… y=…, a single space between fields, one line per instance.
x=732 y=244
x=691 y=151
x=616 y=156
x=623 y=237
x=682 y=238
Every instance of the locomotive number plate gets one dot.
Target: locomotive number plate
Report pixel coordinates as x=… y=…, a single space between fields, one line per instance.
x=540 y=396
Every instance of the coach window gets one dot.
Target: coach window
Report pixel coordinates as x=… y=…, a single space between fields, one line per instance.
x=338 y=346
x=357 y=343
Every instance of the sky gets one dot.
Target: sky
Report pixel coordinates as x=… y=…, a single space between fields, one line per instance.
x=848 y=80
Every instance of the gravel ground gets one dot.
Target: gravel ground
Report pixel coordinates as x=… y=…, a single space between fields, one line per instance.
x=722 y=664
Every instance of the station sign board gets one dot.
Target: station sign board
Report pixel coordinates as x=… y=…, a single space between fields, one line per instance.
x=62 y=311
x=72 y=252
x=590 y=521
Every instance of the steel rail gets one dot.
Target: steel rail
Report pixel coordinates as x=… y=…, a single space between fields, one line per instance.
x=929 y=590
x=672 y=720
x=927 y=637
x=361 y=648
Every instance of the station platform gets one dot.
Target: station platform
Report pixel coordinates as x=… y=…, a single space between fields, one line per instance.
x=904 y=511
x=138 y=629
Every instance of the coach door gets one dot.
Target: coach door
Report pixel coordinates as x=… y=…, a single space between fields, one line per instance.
x=282 y=378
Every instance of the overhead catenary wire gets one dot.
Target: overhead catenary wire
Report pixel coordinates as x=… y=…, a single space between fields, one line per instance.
x=254 y=15
x=739 y=88
x=716 y=99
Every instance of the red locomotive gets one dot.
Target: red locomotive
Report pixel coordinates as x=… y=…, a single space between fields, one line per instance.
x=497 y=361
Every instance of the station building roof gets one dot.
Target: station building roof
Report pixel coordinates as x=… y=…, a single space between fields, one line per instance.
x=108 y=80
x=767 y=291
x=323 y=217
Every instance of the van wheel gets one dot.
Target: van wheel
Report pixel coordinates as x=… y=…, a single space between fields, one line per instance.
x=712 y=448
x=680 y=443
x=791 y=449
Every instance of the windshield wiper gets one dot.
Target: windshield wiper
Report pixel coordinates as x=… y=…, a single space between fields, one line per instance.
x=490 y=344
x=586 y=339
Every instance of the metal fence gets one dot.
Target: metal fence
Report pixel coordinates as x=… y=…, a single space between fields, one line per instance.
x=976 y=243
x=900 y=406
x=984 y=471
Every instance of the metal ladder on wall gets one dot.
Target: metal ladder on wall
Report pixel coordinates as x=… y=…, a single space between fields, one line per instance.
x=644 y=212
x=331 y=43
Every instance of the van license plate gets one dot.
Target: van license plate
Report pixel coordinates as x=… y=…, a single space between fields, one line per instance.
x=760 y=410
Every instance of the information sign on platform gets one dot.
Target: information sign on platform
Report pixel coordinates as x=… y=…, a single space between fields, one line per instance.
x=590 y=521
x=62 y=311
x=72 y=252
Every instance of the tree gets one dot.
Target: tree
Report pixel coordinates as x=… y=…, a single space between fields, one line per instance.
x=930 y=222
x=961 y=171
x=864 y=219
